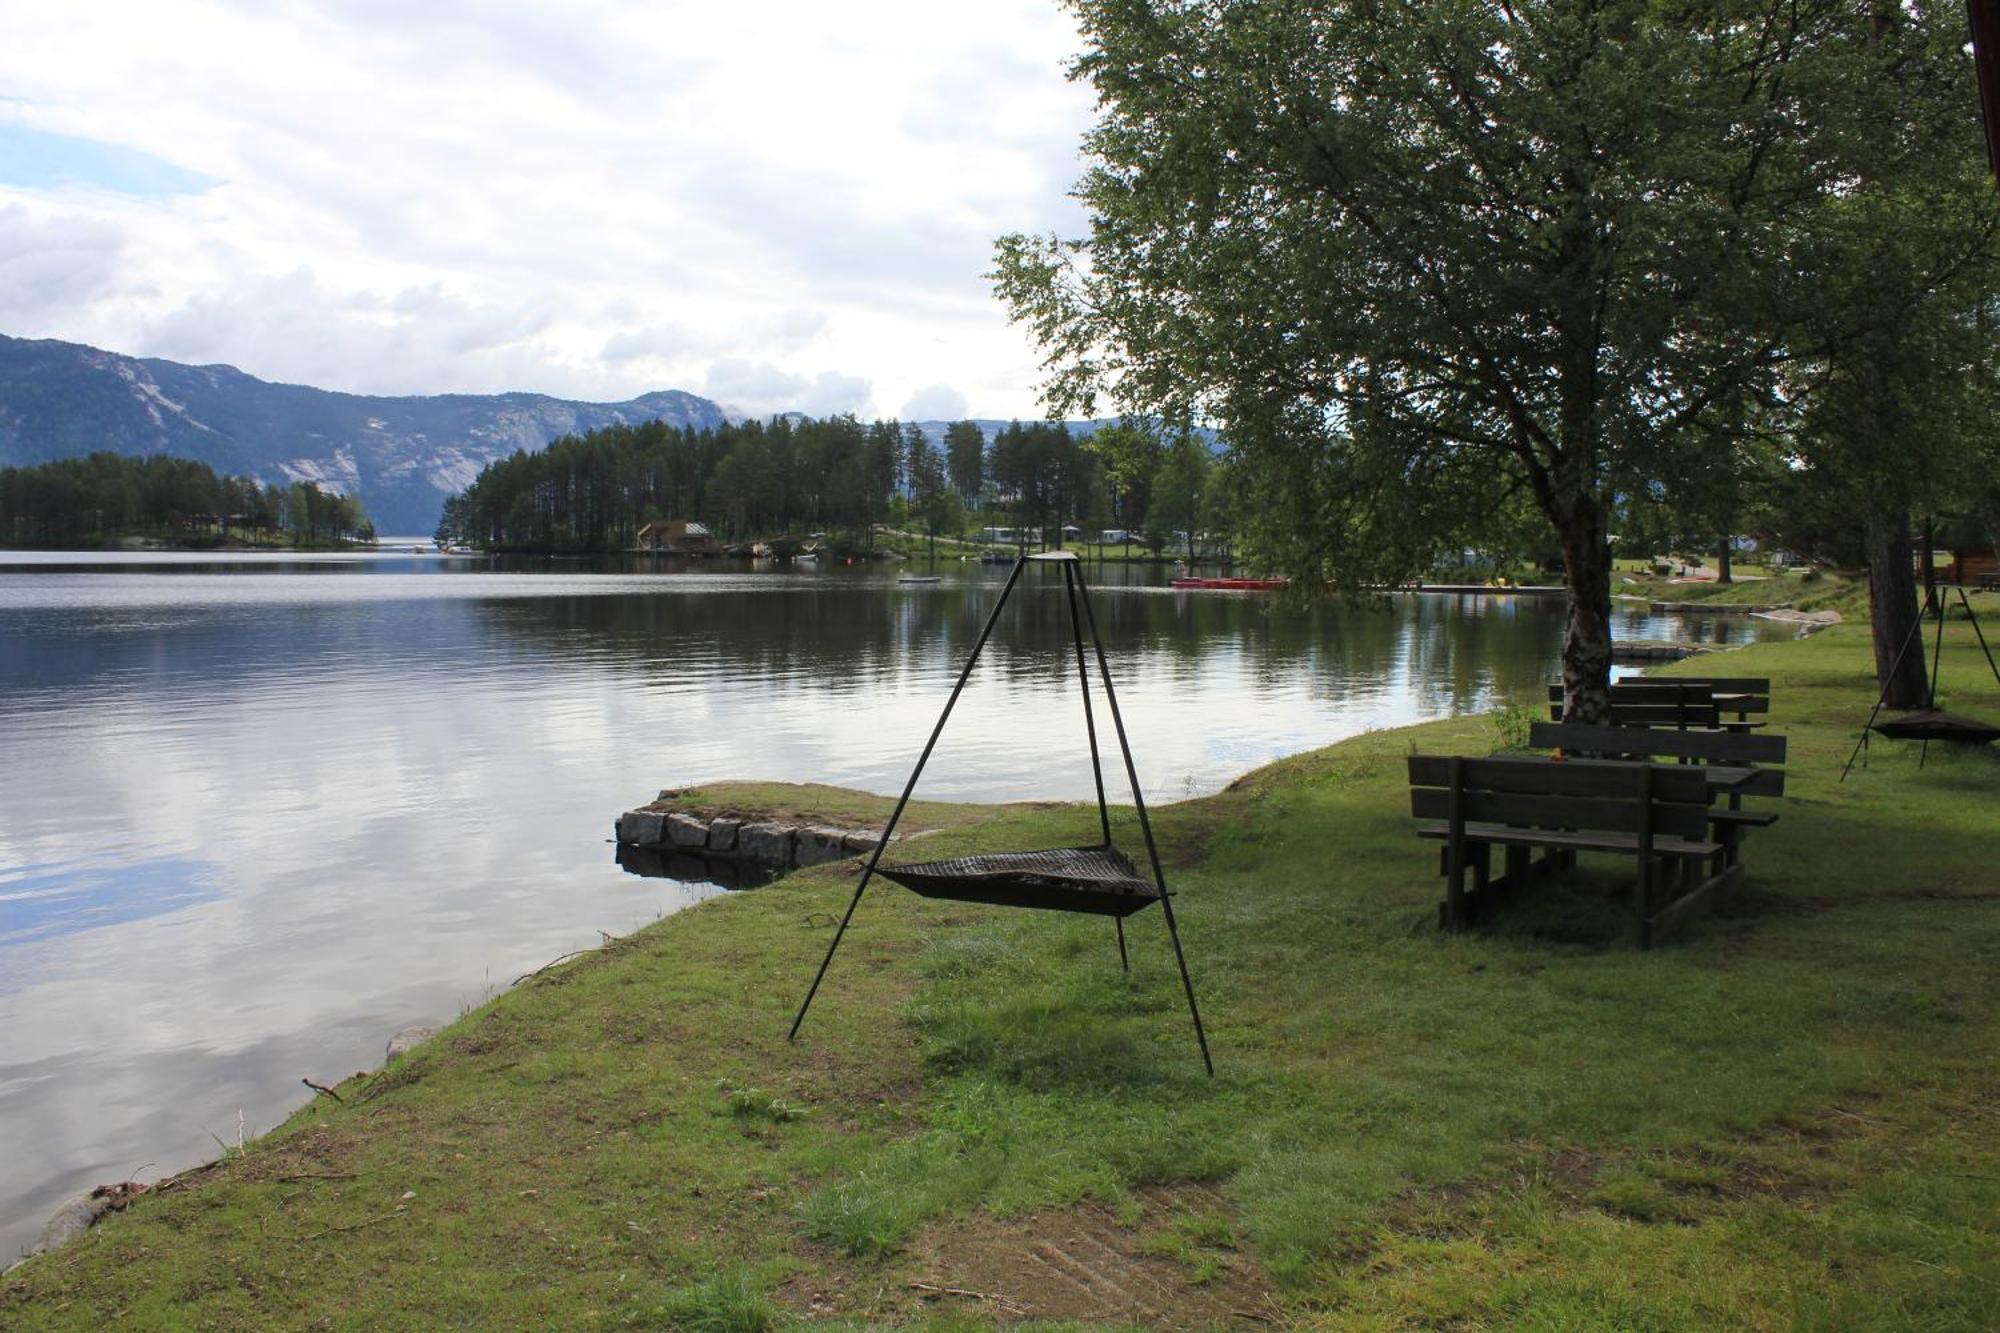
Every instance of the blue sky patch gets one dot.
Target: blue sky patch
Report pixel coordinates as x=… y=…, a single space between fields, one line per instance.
x=36 y=159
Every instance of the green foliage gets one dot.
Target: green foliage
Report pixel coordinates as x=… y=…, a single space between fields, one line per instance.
x=1511 y=723
x=747 y=1103
x=1042 y=474
x=732 y=1301
x=1131 y=456
x=88 y=501
x=934 y=501
x=1181 y=491
x=965 y=459
x=872 y=1212
x=592 y=492
x=1422 y=263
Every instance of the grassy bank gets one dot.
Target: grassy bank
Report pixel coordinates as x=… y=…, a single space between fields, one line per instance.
x=1801 y=590
x=1788 y=1118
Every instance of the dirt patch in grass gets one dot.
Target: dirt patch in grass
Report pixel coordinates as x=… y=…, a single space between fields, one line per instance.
x=1167 y=1259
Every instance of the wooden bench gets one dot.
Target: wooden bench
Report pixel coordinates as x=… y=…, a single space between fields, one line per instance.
x=1656 y=813
x=1682 y=702
x=1731 y=753
x=1740 y=695
x=1652 y=704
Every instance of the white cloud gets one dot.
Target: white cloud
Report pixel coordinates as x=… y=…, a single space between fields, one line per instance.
x=758 y=388
x=935 y=402
x=611 y=197
x=49 y=265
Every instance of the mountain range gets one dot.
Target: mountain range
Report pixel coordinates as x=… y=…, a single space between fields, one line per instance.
x=402 y=456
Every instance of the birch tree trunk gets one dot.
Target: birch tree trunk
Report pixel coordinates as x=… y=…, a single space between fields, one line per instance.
x=1586 y=658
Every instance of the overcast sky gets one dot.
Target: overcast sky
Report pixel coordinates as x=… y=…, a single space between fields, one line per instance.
x=773 y=203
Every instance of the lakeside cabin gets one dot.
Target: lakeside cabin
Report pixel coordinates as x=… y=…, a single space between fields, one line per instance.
x=676 y=536
x=1969 y=567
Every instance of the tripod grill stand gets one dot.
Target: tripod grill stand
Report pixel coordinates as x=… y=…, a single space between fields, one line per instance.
x=1100 y=880
x=1928 y=723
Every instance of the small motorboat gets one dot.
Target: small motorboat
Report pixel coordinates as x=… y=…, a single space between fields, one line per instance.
x=919 y=578
x=1228 y=585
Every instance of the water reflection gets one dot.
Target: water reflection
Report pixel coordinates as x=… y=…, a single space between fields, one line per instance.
x=255 y=816
x=690 y=867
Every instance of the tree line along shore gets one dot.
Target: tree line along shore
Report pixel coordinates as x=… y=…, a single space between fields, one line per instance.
x=106 y=498
x=842 y=477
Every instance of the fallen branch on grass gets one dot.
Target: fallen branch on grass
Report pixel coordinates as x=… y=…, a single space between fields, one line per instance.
x=322 y=1090
x=525 y=976
x=356 y=1226
x=1005 y=1303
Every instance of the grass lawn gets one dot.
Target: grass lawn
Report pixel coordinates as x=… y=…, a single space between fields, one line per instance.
x=1787 y=1118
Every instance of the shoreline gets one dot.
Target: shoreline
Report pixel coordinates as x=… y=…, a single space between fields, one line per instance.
x=636 y=1110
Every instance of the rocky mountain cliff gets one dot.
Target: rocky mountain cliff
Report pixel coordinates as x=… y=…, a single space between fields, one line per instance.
x=401 y=455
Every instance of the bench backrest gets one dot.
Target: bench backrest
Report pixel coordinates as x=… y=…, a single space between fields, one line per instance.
x=1595 y=795
x=1739 y=695
x=1721 y=684
x=1699 y=747
x=1654 y=707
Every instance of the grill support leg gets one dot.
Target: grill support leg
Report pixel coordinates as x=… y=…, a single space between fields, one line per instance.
x=1145 y=823
x=1916 y=628
x=1966 y=602
x=875 y=857
x=1070 y=576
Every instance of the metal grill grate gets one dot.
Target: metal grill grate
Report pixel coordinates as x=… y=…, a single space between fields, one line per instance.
x=1074 y=879
x=1933 y=725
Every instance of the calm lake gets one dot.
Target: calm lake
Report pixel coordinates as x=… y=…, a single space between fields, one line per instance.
x=257 y=813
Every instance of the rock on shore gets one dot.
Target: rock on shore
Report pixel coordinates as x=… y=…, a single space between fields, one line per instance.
x=769 y=844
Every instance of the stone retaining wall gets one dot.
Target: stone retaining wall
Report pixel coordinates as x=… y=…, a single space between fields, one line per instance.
x=770 y=844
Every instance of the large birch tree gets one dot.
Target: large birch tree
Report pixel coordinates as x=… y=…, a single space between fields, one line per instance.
x=1417 y=259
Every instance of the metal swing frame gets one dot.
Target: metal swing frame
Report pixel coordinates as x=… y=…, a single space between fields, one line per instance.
x=1081 y=615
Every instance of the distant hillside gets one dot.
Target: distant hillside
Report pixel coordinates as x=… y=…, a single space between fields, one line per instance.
x=402 y=456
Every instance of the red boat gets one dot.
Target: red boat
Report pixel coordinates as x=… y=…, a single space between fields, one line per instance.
x=1230 y=585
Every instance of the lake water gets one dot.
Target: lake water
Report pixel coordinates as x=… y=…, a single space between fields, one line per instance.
x=257 y=813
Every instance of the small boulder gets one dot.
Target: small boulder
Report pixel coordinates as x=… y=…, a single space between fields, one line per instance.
x=643 y=828
x=765 y=844
x=861 y=842
x=817 y=846
x=410 y=1038
x=722 y=834
x=686 y=831
x=70 y=1221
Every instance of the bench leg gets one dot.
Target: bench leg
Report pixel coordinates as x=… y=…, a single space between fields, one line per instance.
x=1730 y=836
x=1642 y=901
x=1453 y=911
